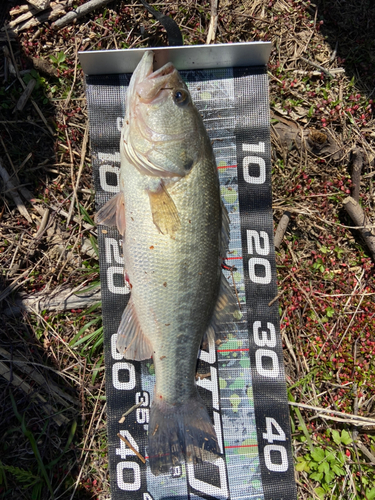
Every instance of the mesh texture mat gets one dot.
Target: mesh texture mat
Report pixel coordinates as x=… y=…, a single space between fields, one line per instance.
x=245 y=391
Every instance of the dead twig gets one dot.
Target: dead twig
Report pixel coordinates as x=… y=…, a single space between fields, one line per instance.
x=62 y=301
x=12 y=190
x=357 y=163
x=43 y=224
x=24 y=85
x=35 y=18
x=75 y=73
x=124 y=415
x=75 y=186
x=25 y=96
x=18 y=382
x=275 y=298
x=84 y=9
x=315 y=65
x=359 y=420
x=142 y=459
x=281 y=228
x=213 y=22
x=354 y=210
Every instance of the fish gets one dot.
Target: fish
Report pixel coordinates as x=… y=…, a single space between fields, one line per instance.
x=175 y=232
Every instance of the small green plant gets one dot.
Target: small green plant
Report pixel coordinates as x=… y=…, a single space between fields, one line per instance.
x=311 y=112
x=25 y=477
x=43 y=476
x=38 y=478
x=328 y=464
x=339 y=252
x=59 y=60
x=330 y=312
x=323 y=466
x=319 y=265
x=90 y=341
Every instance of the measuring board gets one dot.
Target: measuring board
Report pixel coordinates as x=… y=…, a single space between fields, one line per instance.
x=244 y=385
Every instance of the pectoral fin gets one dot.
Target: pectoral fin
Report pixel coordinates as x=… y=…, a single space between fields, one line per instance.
x=164 y=211
x=113 y=213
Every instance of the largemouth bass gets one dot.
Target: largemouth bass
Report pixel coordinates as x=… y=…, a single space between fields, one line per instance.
x=175 y=232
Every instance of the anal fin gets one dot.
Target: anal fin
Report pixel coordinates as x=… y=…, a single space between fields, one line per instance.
x=113 y=213
x=131 y=341
x=164 y=211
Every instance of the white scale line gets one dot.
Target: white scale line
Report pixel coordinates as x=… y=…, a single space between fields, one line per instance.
x=218 y=148
x=220 y=128
x=220 y=118
x=213 y=100
x=214 y=110
x=220 y=138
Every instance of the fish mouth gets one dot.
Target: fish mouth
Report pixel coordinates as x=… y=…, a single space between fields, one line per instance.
x=151 y=87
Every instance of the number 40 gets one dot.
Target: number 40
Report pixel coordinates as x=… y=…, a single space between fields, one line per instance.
x=277 y=450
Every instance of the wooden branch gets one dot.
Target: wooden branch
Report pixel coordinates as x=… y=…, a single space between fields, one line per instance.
x=366 y=452
x=39 y=4
x=20 y=19
x=35 y=18
x=213 y=22
x=281 y=228
x=347 y=416
x=28 y=368
x=62 y=301
x=129 y=445
x=18 y=382
x=14 y=193
x=357 y=163
x=84 y=9
x=19 y=10
x=315 y=65
x=354 y=209
x=24 y=85
x=25 y=96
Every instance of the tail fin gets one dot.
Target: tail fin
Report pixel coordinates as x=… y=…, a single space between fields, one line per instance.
x=178 y=433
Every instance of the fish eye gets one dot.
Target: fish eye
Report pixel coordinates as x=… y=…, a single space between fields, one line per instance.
x=180 y=97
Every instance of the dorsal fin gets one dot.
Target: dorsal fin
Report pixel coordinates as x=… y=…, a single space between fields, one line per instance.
x=226 y=312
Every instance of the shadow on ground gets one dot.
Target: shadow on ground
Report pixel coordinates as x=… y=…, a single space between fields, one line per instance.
x=349 y=26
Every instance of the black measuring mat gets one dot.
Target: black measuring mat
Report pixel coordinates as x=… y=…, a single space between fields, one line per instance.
x=244 y=388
